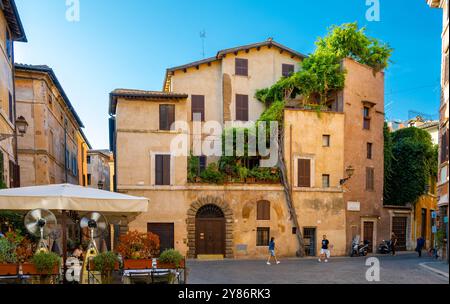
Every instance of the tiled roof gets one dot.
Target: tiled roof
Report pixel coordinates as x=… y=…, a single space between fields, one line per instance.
x=429 y=124
x=140 y=94
x=12 y=17
x=49 y=71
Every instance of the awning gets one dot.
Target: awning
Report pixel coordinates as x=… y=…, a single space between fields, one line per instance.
x=71 y=198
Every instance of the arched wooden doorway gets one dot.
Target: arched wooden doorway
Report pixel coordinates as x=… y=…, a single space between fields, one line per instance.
x=210 y=230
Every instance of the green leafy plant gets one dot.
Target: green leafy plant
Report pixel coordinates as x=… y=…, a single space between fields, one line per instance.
x=45 y=262
x=105 y=263
x=411 y=163
x=7 y=252
x=171 y=256
x=212 y=174
x=193 y=165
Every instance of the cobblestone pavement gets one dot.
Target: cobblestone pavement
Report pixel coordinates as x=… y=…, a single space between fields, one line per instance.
x=401 y=269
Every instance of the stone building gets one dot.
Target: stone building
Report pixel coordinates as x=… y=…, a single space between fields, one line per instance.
x=442 y=186
x=11 y=30
x=236 y=219
x=98 y=164
x=55 y=147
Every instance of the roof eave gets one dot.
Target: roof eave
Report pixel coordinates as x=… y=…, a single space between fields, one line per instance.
x=15 y=24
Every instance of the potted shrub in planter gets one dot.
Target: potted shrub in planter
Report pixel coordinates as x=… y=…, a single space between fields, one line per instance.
x=44 y=264
x=105 y=263
x=170 y=259
x=8 y=258
x=137 y=249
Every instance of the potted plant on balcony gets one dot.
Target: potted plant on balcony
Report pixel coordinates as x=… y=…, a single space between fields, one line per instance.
x=105 y=263
x=137 y=249
x=8 y=257
x=44 y=264
x=170 y=259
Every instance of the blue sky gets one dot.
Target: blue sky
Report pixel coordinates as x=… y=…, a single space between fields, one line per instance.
x=129 y=44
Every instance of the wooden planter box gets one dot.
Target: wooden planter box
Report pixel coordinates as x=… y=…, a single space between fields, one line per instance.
x=160 y=265
x=9 y=269
x=30 y=269
x=137 y=264
x=92 y=266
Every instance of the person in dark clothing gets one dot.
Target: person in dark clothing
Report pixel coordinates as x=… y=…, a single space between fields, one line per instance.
x=420 y=245
x=393 y=243
x=325 y=251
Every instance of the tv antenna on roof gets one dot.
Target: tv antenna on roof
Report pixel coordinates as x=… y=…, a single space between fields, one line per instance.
x=203 y=38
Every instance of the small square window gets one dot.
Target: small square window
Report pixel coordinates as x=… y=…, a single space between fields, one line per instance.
x=326 y=140
x=262 y=236
x=325 y=181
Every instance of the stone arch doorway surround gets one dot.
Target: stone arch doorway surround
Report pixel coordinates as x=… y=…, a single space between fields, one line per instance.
x=191 y=220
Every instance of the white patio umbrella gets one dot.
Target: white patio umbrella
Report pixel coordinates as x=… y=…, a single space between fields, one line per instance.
x=70 y=197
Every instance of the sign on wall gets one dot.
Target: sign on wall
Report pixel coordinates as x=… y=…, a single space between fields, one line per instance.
x=353 y=206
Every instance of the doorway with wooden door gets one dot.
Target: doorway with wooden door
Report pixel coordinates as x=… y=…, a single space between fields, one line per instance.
x=399 y=225
x=368 y=235
x=210 y=231
x=166 y=232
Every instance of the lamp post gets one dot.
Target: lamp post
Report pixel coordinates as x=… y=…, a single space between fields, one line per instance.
x=21 y=126
x=349 y=171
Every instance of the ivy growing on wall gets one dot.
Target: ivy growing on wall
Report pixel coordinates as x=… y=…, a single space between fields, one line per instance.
x=411 y=161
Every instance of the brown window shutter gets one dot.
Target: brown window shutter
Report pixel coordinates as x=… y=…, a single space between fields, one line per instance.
x=370 y=178
x=241 y=107
x=162 y=117
x=166 y=170
x=304 y=173
x=198 y=106
x=170 y=116
x=241 y=67
x=159 y=169
x=263 y=211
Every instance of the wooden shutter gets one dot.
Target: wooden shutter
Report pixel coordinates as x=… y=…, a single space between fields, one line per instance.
x=198 y=106
x=263 y=211
x=162 y=170
x=241 y=67
x=166 y=116
x=241 y=107
x=370 y=178
x=287 y=70
x=304 y=173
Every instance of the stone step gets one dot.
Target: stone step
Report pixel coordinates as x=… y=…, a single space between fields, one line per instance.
x=210 y=257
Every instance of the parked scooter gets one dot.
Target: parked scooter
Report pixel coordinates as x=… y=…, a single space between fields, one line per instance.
x=359 y=248
x=385 y=247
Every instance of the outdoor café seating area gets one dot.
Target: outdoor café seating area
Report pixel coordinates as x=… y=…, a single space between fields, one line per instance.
x=65 y=234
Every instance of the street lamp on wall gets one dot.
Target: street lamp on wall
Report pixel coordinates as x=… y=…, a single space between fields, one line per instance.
x=21 y=127
x=349 y=171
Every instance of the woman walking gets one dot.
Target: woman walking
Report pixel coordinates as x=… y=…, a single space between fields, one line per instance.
x=272 y=252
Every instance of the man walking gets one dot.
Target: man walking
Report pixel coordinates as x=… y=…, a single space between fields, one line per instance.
x=324 y=252
x=420 y=245
x=272 y=251
x=393 y=242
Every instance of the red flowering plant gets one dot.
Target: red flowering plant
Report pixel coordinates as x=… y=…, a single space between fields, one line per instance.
x=138 y=245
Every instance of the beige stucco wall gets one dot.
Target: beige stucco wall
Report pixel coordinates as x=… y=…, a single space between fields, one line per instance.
x=6 y=88
x=42 y=159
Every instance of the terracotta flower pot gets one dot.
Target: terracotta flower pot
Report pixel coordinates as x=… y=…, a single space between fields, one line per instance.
x=161 y=265
x=8 y=269
x=137 y=264
x=30 y=269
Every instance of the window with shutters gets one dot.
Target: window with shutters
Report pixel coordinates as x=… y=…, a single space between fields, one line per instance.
x=198 y=106
x=366 y=122
x=446 y=67
x=287 y=70
x=262 y=236
x=304 y=172
x=11 y=108
x=326 y=139
x=369 y=150
x=263 y=211
x=241 y=107
x=325 y=181
x=9 y=45
x=89 y=179
x=370 y=172
x=444 y=146
x=166 y=116
x=241 y=67
x=162 y=170
x=202 y=164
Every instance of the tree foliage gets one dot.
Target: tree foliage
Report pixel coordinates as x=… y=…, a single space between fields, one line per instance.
x=411 y=160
